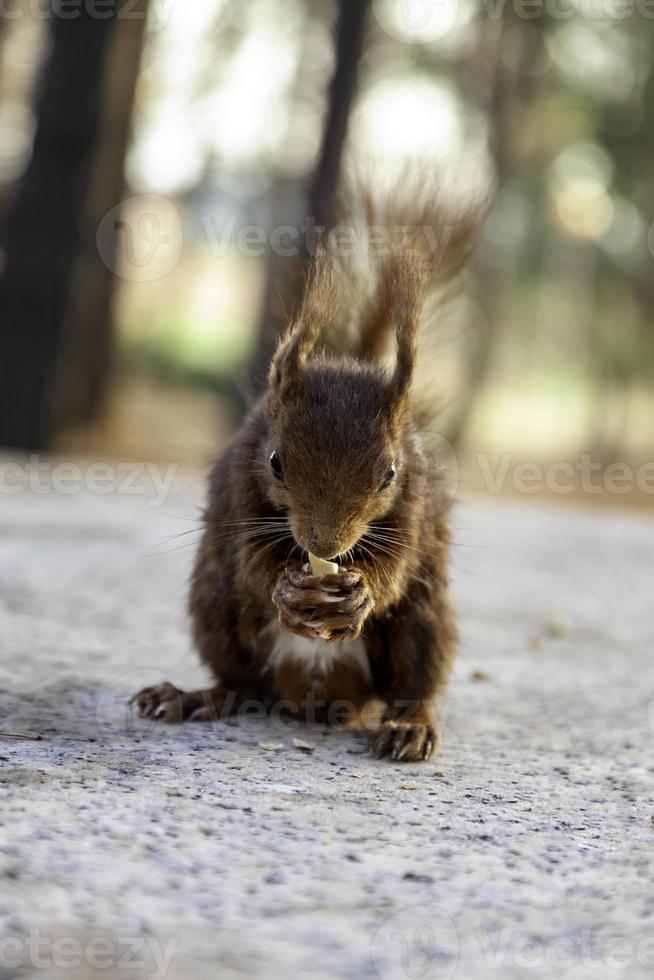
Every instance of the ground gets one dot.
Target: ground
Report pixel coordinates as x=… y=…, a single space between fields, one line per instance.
x=132 y=849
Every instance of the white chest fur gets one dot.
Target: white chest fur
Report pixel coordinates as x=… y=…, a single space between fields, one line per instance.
x=317 y=656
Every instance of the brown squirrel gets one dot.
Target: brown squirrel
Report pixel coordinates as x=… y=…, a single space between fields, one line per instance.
x=331 y=461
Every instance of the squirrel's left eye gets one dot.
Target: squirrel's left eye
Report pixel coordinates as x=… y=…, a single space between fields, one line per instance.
x=388 y=479
x=276 y=466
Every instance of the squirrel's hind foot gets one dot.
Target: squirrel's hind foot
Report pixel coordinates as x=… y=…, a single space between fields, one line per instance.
x=165 y=702
x=404 y=741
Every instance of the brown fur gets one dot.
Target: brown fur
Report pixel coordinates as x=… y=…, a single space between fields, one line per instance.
x=338 y=425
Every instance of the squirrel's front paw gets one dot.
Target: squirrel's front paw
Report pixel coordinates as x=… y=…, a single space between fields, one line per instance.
x=332 y=607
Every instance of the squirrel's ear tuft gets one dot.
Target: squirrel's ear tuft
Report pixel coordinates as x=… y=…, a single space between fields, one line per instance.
x=433 y=225
x=403 y=286
x=300 y=340
x=292 y=353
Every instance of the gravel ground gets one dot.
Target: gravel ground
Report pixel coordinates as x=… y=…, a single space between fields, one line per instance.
x=128 y=849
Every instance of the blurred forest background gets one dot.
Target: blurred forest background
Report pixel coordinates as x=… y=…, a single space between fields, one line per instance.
x=139 y=142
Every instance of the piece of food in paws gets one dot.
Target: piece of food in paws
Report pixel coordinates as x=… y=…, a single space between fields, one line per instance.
x=321 y=567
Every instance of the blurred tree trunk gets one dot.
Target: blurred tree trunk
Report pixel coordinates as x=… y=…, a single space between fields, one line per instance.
x=88 y=343
x=350 y=34
x=54 y=291
x=286 y=273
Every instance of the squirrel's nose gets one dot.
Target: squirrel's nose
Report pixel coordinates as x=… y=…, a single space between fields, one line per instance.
x=323 y=546
x=327 y=552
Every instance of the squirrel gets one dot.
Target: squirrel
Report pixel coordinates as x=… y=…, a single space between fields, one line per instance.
x=331 y=462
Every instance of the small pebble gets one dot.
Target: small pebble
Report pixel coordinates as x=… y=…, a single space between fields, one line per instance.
x=303 y=746
x=559 y=626
x=412 y=876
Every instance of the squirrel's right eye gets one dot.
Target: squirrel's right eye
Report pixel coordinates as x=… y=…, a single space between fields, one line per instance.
x=388 y=479
x=276 y=466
